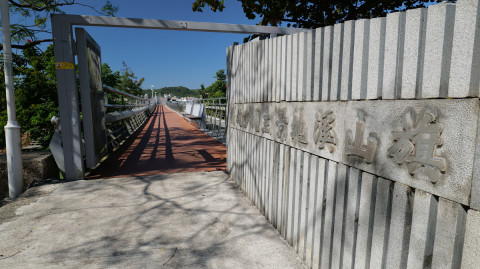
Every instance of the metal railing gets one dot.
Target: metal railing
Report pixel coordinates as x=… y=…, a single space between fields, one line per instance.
x=214 y=117
x=121 y=124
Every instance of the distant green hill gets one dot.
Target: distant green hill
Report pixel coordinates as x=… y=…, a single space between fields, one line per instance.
x=178 y=91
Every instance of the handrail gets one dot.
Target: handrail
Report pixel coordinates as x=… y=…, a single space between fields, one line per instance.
x=112 y=90
x=110 y=105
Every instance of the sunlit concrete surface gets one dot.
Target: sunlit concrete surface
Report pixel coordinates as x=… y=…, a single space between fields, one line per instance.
x=186 y=220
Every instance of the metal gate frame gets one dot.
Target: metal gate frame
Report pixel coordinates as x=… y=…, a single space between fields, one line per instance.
x=65 y=48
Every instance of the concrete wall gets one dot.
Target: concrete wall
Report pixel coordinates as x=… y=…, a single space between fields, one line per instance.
x=359 y=141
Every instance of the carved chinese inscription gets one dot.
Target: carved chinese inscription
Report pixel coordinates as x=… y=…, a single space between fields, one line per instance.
x=256 y=119
x=299 y=131
x=266 y=122
x=232 y=116
x=246 y=117
x=323 y=133
x=416 y=145
x=282 y=124
x=240 y=117
x=355 y=146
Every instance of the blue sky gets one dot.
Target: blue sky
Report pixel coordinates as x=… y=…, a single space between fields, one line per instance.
x=166 y=58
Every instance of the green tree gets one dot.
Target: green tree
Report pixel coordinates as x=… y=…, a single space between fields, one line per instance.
x=219 y=87
x=129 y=82
x=313 y=13
x=35 y=15
x=35 y=94
x=110 y=78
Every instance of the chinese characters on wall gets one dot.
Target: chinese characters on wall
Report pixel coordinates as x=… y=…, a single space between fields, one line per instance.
x=413 y=144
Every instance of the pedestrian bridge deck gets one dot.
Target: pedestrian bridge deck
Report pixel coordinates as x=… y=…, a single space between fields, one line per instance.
x=167 y=144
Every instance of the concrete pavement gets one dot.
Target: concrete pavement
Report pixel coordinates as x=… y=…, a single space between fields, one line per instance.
x=185 y=220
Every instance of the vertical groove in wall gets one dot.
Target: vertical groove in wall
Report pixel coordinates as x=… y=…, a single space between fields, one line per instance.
x=381 y=223
x=360 y=60
x=327 y=63
x=413 y=53
x=320 y=211
x=329 y=215
x=306 y=246
x=317 y=66
x=423 y=230
x=337 y=54
x=312 y=221
x=347 y=60
x=301 y=68
x=438 y=50
x=338 y=217
x=283 y=68
x=278 y=190
x=310 y=60
x=303 y=205
x=270 y=70
x=278 y=60
x=294 y=79
x=285 y=194
x=288 y=85
x=449 y=234
x=465 y=71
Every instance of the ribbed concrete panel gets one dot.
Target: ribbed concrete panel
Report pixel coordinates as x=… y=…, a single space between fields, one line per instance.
x=449 y=235
x=277 y=59
x=318 y=65
x=327 y=234
x=351 y=221
x=365 y=221
x=278 y=191
x=302 y=235
x=289 y=65
x=400 y=223
x=337 y=51
x=360 y=60
x=270 y=70
x=438 y=50
x=310 y=58
x=338 y=226
x=347 y=60
x=465 y=69
x=297 y=200
x=319 y=211
x=471 y=251
x=285 y=194
x=381 y=223
x=327 y=62
x=422 y=234
x=283 y=68
x=291 y=195
x=376 y=52
x=302 y=61
x=413 y=54
x=294 y=82
x=393 y=59
x=312 y=196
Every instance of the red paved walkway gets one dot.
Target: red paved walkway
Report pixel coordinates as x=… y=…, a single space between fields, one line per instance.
x=167 y=144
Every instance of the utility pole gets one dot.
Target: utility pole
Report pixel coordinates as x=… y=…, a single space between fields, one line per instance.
x=12 y=129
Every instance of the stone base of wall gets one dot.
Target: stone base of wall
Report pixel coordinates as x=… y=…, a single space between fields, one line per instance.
x=37 y=166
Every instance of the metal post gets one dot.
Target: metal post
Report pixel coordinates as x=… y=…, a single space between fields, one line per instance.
x=63 y=46
x=12 y=129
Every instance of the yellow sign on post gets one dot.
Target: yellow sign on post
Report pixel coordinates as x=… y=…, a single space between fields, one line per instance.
x=64 y=65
